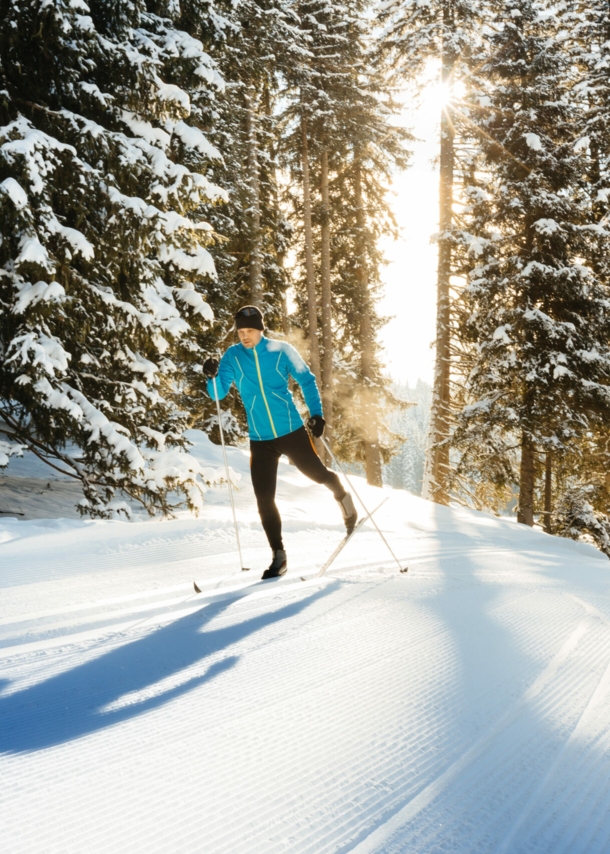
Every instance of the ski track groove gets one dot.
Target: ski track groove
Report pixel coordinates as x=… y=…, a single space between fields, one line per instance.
x=486 y=773
x=383 y=771
x=498 y=768
x=381 y=837
x=577 y=780
x=583 y=799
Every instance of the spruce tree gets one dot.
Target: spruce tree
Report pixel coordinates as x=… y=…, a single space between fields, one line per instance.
x=104 y=265
x=537 y=316
x=577 y=483
x=414 y=34
x=341 y=152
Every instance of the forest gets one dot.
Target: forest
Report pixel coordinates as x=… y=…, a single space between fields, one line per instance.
x=164 y=163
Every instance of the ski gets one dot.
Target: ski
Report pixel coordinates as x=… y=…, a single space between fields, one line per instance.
x=346 y=540
x=263 y=582
x=245 y=589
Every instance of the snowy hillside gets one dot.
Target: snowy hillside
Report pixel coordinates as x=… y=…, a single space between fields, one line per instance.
x=462 y=707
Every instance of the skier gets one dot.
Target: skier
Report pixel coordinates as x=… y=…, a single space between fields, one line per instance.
x=261 y=369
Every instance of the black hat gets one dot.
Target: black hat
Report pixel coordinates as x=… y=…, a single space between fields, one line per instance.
x=249 y=317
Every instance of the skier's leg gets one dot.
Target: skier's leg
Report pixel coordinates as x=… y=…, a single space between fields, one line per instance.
x=264 y=458
x=300 y=449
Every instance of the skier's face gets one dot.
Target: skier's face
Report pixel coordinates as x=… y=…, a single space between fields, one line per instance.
x=249 y=337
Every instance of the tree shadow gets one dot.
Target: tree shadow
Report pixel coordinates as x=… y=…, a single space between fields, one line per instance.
x=492 y=743
x=74 y=703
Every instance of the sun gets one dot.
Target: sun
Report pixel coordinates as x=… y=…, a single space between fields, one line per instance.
x=441 y=95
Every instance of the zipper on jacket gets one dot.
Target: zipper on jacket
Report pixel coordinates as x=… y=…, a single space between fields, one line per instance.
x=260 y=381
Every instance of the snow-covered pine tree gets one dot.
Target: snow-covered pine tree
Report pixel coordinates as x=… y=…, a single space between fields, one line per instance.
x=414 y=34
x=261 y=43
x=406 y=469
x=104 y=172
x=307 y=108
x=343 y=146
x=252 y=53
x=375 y=150
x=324 y=85
x=588 y=25
x=577 y=483
x=538 y=317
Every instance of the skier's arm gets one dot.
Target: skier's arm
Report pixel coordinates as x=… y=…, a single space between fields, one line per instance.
x=301 y=373
x=224 y=378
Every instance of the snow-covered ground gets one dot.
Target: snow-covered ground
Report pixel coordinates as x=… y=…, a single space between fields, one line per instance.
x=462 y=707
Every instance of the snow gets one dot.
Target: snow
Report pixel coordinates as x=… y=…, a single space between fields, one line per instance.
x=15 y=192
x=198 y=261
x=191 y=297
x=33 y=252
x=7 y=450
x=30 y=294
x=533 y=141
x=36 y=348
x=174 y=94
x=582 y=144
x=460 y=707
x=193 y=138
x=144 y=129
x=501 y=333
x=77 y=240
x=547 y=226
x=35 y=147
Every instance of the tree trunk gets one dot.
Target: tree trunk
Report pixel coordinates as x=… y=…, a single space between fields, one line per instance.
x=285 y=321
x=525 y=514
x=436 y=471
x=327 y=331
x=548 y=492
x=256 y=255
x=370 y=425
x=312 y=303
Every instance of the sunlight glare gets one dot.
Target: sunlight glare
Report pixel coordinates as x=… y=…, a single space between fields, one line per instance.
x=442 y=94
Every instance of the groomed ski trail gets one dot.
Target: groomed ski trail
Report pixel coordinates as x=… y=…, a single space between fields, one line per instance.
x=461 y=707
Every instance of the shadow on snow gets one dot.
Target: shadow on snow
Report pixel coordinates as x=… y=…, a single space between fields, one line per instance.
x=71 y=704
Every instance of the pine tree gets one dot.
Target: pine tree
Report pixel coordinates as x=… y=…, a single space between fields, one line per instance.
x=252 y=56
x=104 y=270
x=343 y=146
x=577 y=483
x=406 y=469
x=253 y=51
x=414 y=34
x=537 y=308
x=363 y=215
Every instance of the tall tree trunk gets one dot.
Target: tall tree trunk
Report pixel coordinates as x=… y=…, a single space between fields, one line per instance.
x=312 y=303
x=548 y=492
x=525 y=514
x=327 y=330
x=436 y=471
x=256 y=255
x=370 y=426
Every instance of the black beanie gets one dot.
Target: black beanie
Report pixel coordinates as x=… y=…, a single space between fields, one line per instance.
x=249 y=317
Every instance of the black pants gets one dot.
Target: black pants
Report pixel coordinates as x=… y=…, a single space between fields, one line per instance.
x=264 y=460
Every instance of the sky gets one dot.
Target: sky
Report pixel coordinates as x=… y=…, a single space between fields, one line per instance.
x=410 y=277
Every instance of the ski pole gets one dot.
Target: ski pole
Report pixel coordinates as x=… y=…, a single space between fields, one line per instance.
x=370 y=515
x=224 y=454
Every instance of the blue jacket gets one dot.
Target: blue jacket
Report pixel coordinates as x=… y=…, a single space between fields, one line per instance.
x=261 y=375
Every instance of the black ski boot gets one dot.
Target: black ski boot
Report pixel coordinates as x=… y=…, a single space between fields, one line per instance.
x=278 y=566
x=350 y=514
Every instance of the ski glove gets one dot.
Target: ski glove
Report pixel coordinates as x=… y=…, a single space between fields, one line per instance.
x=316 y=426
x=210 y=367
